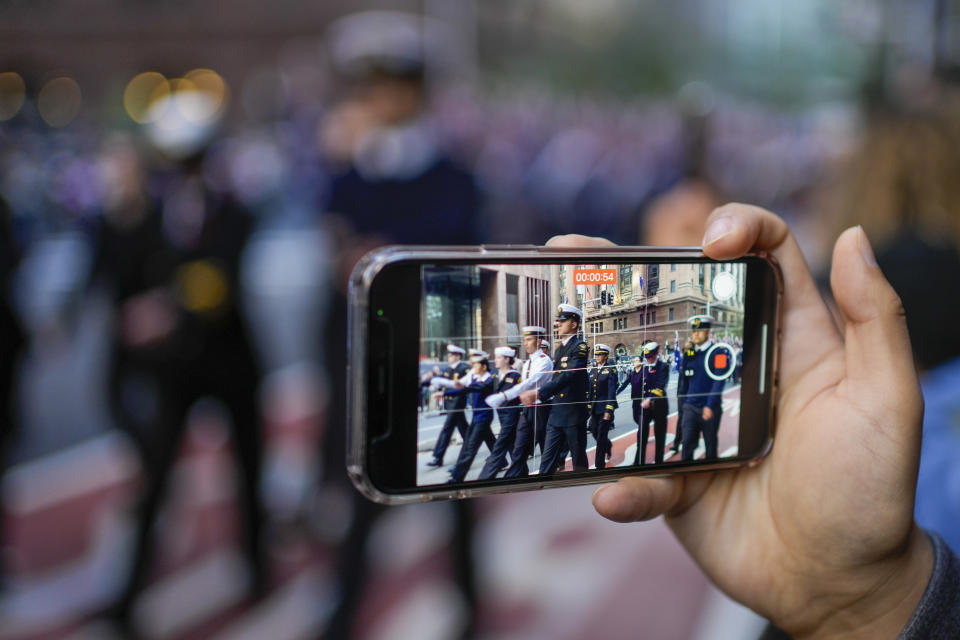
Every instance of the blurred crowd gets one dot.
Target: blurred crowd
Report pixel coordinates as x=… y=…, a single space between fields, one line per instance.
x=182 y=259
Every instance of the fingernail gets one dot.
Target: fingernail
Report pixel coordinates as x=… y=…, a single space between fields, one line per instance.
x=718 y=229
x=865 y=249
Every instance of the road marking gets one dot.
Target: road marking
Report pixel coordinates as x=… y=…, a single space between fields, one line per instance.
x=100 y=462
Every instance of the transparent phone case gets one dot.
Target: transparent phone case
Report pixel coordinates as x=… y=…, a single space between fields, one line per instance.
x=359 y=292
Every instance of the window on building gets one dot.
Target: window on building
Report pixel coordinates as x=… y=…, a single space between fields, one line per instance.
x=538 y=302
x=673 y=286
x=654 y=321
x=673 y=267
x=670 y=313
x=626 y=281
x=513 y=298
x=624 y=323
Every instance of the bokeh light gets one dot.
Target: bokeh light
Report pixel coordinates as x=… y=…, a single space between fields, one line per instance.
x=12 y=94
x=59 y=101
x=211 y=83
x=141 y=92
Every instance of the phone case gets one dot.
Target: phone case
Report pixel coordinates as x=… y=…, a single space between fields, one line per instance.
x=359 y=289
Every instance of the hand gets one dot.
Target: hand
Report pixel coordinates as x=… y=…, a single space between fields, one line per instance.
x=457 y=384
x=528 y=397
x=607 y=416
x=646 y=403
x=707 y=413
x=821 y=540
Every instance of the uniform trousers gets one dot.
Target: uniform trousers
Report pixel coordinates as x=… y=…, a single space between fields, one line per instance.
x=561 y=439
x=504 y=445
x=657 y=413
x=693 y=426
x=532 y=420
x=455 y=419
x=600 y=429
x=479 y=432
x=678 y=436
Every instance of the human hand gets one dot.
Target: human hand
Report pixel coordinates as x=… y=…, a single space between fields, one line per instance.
x=707 y=413
x=646 y=403
x=528 y=397
x=607 y=415
x=821 y=540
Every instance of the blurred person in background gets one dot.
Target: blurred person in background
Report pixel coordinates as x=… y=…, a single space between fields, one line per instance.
x=171 y=263
x=396 y=185
x=675 y=218
x=902 y=185
x=12 y=340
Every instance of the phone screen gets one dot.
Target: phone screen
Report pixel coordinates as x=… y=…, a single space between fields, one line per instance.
x=586 y=366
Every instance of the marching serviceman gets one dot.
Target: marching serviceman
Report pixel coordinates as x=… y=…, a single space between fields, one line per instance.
x=453 y=404
x=688 y=352
x=535 y=371
x=601 y=403
x=634 y=380
x=702 y=401
x=567 y=425
x=653 y=406
x=476 y=386
x=508 y=413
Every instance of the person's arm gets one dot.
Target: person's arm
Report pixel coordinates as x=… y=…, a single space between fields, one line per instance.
x=562 y=378
x=624 y=384
x=539 y=371
x=660 y=390
x=715 y=399
x=611 y=404
x=835 y=553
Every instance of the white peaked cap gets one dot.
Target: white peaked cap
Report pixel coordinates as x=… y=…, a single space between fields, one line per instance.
x=569 y=309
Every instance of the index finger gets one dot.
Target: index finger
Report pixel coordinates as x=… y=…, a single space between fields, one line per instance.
x=576 y=240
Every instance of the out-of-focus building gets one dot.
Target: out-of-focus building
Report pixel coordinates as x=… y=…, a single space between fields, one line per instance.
x=482 y=307
x=654 y=302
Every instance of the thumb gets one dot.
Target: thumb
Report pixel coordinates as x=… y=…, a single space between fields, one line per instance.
x=634 y=498
x=878 y=354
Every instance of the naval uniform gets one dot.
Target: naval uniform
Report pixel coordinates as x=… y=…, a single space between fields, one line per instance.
x=567 y=425
x=602 y=398
x=509 y=416
x=533 y=419
x=700 y=390
x=682 y=382
x=476 y=390
x=454 y=404
x=654 y=385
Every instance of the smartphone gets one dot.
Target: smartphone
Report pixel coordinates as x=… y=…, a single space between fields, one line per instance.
x=480 y=370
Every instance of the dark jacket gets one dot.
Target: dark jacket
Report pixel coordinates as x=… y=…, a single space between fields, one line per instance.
x=476 y=392
x=700 y=390
x=602 y=390
x=567 y=385
x=454 y=401
x=648 y=382
x=509 y=412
